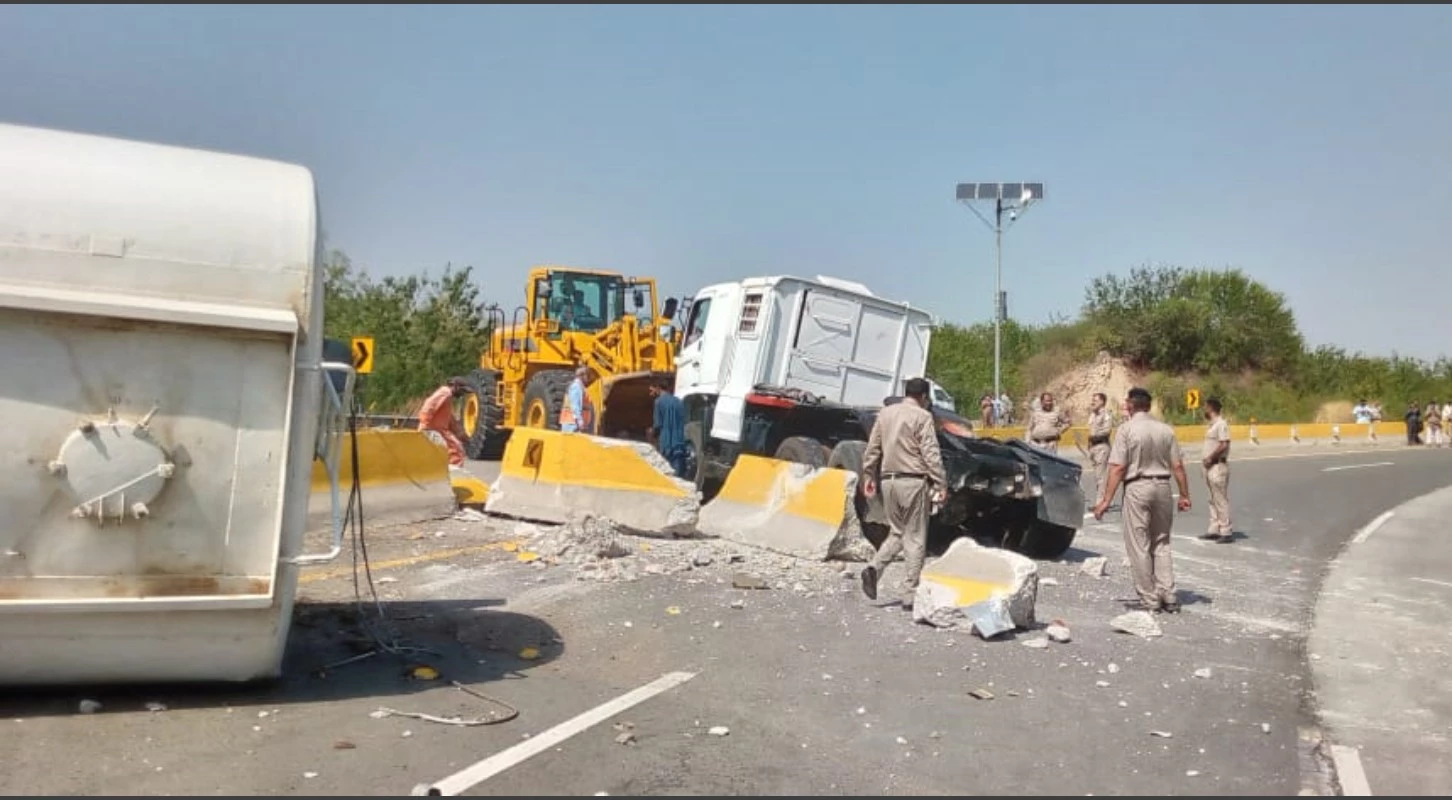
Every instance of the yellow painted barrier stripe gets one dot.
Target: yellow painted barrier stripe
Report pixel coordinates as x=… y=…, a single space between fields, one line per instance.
x=409 y=561
x=764 y=482
x=1194 y=434
x=469 y=490
x=388 y=458
x=576 y=459
x=967 y=591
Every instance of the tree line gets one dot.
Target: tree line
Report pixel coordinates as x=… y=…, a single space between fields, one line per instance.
x=1216 y=329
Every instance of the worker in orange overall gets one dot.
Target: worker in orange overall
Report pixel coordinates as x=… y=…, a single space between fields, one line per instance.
x=437 y=415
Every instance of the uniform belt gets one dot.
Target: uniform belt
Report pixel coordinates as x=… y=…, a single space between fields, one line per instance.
x=887 y=476
x=1096 y=440
x=1046 y=438
x=1164 y=478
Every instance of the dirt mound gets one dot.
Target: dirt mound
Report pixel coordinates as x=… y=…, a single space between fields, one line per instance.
x=1335 y=411
x=1074 y=389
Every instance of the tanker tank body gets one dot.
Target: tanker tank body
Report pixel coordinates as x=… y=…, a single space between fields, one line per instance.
x=163 y=399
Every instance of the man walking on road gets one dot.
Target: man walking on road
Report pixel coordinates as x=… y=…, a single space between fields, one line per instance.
x=1144 y=455
x=1217 y=471
x=437 y=415
x=668 y=427
x=904 y=445
x=1101 y=423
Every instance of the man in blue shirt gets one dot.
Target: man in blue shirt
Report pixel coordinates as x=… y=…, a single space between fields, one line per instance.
x=668 y=430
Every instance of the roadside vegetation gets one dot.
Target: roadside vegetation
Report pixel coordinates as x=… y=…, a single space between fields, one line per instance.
x=1216 y=330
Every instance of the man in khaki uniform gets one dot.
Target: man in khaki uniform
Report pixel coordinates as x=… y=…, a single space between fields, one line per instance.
x=1046 y=425
x=903 y=445
x=1217 y=470
x=1101 y=424
x=1143 y=457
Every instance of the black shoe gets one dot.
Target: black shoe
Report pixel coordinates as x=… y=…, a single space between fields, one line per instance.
x=1172 y=607
x=869 y=582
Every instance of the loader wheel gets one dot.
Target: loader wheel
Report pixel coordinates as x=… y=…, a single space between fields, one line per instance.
x=544 y=396
x=848 y=456
x=803 y=450
x=482 y=416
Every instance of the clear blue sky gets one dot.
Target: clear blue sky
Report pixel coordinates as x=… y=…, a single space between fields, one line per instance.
x=1309 y=146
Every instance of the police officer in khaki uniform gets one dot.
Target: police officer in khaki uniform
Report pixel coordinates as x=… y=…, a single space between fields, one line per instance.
x=1046 y=425
x=1101 y=424
x=1217 y=470
x=1144 y=455
x=904 y=446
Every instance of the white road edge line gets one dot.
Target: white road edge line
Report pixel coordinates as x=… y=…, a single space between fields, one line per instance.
x=1434 y=582
x=473 y=775
x=1360 y=466
x=1365 y=533
x=1349 y=772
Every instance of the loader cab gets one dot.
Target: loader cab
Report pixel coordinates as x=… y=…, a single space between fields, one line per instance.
x=588 y=302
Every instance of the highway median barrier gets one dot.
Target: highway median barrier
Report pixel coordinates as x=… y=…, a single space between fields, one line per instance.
x=1307 y=434
x=788 y=508
x=992 y=589
x=404 y=477
x=549 y=476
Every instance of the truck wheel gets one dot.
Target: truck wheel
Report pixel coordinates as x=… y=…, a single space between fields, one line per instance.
x=802 y=450
x=848 y=456
x=544 y=396
x=482 y=417
x=695 y=453
x=1045 y=542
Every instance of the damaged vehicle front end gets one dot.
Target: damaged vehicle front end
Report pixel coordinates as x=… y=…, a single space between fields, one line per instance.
x=1003 y=494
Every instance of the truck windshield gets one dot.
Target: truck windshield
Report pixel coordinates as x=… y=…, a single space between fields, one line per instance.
x=585 y=302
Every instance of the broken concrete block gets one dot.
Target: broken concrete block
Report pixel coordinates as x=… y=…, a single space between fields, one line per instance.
x=1094 y=566
x=969 y=574
x=789 y=508
x=1139 y=623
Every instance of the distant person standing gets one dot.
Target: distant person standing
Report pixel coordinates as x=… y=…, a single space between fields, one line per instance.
x=1414 y=423
x=903 y=445
x=1217 y=471
x=1362 y=412
x=1433 y=420
x=1144 y=456
x=1046 y=426
x=668 y=427
x=1101 y=424
x=578 y=414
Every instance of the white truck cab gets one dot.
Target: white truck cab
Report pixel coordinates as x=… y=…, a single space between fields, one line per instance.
x=940 y=397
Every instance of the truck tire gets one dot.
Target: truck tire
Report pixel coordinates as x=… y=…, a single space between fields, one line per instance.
x=695 y=453
x=544 y=396
x=1045 y=542
x=848 y=456
x=482 y=417
x=802 y=450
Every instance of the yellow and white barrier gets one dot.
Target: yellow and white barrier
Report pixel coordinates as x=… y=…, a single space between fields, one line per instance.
x=789 y=508
x=553 y=477
x=403 y=477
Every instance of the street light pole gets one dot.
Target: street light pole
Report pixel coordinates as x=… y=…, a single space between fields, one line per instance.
x=1019 y=197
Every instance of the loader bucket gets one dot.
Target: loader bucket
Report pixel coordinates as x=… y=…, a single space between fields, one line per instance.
x=627 y=409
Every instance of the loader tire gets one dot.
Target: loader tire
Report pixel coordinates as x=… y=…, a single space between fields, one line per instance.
x=848 y=456
x=803 y=450
x=544 y=396
x=482 y=417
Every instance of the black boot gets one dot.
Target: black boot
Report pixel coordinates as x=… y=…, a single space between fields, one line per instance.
x=869 y=582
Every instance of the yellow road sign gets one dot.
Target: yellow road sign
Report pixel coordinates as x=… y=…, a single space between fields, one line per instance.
x=1192 y=399
x=363 y=354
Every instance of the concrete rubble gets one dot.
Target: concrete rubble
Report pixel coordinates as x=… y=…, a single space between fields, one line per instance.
x=993 y=590
x=1138 y=623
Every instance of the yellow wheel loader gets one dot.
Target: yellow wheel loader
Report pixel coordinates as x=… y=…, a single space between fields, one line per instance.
x=570 y=317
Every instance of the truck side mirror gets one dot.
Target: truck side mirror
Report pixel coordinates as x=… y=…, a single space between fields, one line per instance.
x=542 y=288
x=671 y=304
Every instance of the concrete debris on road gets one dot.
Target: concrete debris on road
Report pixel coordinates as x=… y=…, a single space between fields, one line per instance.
x=1095 y=566
x=1001 y=588
x=719 y=730
x=1203 y=672
x=1059 y=632
x=1037 y=644
x=470 y=515
x=1138 y=623
x=746 y=580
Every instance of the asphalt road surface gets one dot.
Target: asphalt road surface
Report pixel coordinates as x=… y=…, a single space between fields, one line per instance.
x=816 y=689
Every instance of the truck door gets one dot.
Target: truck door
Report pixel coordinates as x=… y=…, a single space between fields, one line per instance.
x=698 y=363
x=847 y=350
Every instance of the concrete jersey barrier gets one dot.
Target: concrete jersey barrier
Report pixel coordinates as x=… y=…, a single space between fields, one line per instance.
x=1305 y=433
x=404 y=476
x=551 y=476
x=789 y=508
